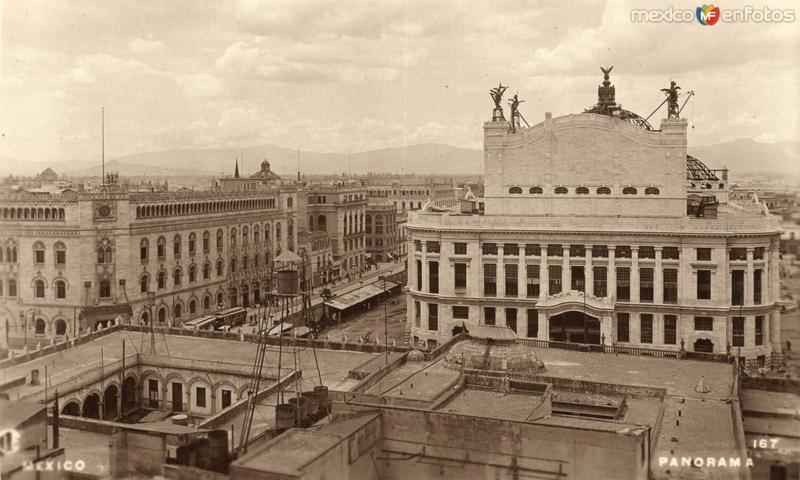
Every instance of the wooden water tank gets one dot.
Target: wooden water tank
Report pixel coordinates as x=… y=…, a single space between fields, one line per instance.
x=285 y=415
x=287 y=282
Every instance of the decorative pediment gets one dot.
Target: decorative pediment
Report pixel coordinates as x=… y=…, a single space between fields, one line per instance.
x=577 y=299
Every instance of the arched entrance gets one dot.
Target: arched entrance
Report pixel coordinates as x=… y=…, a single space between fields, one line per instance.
x=91 y=406
x=110 y=403
x=162 y=315
x=128 y=395
x=245 y=296
x=575 y=327
x=704 y=345
x=72 y=408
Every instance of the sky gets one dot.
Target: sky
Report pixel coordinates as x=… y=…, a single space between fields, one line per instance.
x=345 y=75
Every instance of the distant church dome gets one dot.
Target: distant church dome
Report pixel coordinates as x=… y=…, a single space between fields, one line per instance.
x=265 y=173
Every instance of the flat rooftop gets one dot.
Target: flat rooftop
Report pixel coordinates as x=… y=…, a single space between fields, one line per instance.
x=481 y=402
x=413 y=380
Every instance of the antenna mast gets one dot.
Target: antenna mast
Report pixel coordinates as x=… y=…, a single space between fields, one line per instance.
x=103 y=144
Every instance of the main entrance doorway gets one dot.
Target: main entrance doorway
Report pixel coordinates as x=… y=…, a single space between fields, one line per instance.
x=575 y=327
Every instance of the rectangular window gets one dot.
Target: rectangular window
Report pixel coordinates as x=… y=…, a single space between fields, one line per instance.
x=460 y=275
x=61 y=257
x=738 y=332
x=670 y=329
x=417 y=246
x=143 y=252
x=760 y=330
x=554 y=250
x=533 y=323
x=532 y=275
x=532 y=250
x=737 y=287
x=152 y=392
x=704 y=254
x=433 y=247
x=38 y=256
x=460 y=312
x=105 y=289
x=623 y=251
x=623 y=284
x=191 y=246
x=757 y=286
x=206 y=244
x=758 y=253
x=160 y=250
x=433 y=277
x=577 y=251
x=489 y=279
x=460 y=248
x=512 y=280
x=737 y=254
x=647 y=252
x=510 y=249
x=511 y=319
x=646 y=328
x=417 y=314
x=704 y=284
x=200 y=396
x=419 y=275
x=600 y=251
x=623 y=327
x=670 y=285
x=645 y=284
x=577 y=278
x=489 y=248
x=704 y=324
x=226 y=398
x=554 y=274
x=671 y=253
x=489 y=316
x=600 y=277
x=433 y=317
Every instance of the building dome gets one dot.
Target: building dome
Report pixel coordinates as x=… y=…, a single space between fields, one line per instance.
x=494 y=348
x=415 y=356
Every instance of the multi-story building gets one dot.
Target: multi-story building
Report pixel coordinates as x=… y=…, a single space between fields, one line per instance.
x=315 y=249
x=408 y=195
x=382 y=231
x=600 y=203
x=338 y=210
x=73 y=260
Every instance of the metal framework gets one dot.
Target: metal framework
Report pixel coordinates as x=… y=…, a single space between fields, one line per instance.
x=697 y=171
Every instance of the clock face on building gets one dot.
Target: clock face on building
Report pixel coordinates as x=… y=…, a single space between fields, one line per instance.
x=104 y=211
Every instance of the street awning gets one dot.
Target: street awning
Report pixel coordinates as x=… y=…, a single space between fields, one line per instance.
x=361 y=294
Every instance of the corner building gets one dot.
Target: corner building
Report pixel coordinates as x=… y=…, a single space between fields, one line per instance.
x=600 y=202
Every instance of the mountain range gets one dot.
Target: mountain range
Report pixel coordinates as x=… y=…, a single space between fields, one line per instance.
x=740 y=156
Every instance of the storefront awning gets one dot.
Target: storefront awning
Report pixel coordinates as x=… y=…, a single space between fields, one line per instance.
x=362 y=294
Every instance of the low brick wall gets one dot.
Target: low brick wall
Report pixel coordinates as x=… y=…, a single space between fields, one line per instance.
x=50 y=349
x=783 y=385
x=84 y=424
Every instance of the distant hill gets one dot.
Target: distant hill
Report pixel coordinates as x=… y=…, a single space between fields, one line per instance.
x=745 y=156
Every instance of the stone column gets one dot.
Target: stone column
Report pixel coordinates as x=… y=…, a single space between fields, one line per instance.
x=611 y=281
x=588 y=273
x=774 y=269
x=566 y=272
x=748 y=279
x=544 y=327
x=501 y=272
x=522 y=280
x=425 y=283
x=775 y=336
x=412 y=269
x=544 y=275
x=635 y=274
x=658 y=278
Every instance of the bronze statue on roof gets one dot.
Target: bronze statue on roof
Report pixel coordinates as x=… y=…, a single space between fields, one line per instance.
x=672 y=99
x=497 y=96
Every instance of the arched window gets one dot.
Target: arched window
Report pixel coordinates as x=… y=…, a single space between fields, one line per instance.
x=61 y=289
x=104 y=255
x=161 y=247
x=378 y=224
x=12 y=287
x=206 y=302
x=40 y=326
x=61 y=327
x=582 y=191
x=651 y=191
x=629 y=191
x=245 y=236
x=220 y=236
x=38 y=253
x=161 y=280
x=178 y=310
x=561 y=190
x=176 y=245
x=515 y=190
x=322 y=222
x=278 y=232
x=144 y=251
x=38 y=289
x=192 y=243
x=233 y=265
x=256 y=236
x=206 y=242
x=60 y=254
x=234 y=234
x=536 y=190
x=105 y=289
x=192 y=306
x=192 y=273
x=220 y=299
x=162 y=314
x=603 y=191
x=177 y=277
x=220 y=268
x=206 y=271
x=144 y=283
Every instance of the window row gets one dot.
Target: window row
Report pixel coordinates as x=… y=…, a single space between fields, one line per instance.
x=206 y=243
x=462 y=312
x=166 y=210
x=561 y=190
x=205 y=272
x=39 y=250
x=33 y=213
x=701 y=324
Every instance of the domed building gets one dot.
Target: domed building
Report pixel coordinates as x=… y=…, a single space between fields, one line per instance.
x=494 y=348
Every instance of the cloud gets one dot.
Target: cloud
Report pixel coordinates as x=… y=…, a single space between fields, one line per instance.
x=200 y=85
x=141 y=46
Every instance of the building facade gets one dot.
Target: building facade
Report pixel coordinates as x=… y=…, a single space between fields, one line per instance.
x=315 y=249
x=410 y=195
x=382 y=231
x=598 y=229
x=73 y=260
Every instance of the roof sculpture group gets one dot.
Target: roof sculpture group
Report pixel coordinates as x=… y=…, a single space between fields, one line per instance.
x=606 y=104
